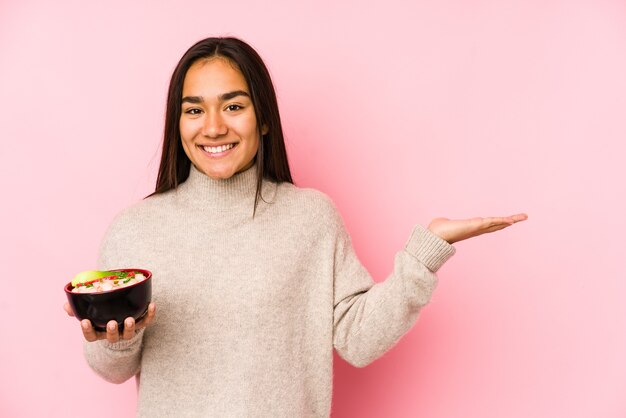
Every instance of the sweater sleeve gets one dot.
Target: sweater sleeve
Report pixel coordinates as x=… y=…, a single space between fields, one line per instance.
x=117 y=362
x=369 y=317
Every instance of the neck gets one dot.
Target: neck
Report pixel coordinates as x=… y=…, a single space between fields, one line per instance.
x=234 y=194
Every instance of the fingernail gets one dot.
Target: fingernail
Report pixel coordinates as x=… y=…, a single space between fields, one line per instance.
x=84 y=324
x=128 y=323
x=111 y=327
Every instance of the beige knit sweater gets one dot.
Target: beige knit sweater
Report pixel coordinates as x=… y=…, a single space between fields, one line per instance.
x=250 y=309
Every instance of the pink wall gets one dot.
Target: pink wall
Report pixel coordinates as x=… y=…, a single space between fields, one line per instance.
x=401 y=111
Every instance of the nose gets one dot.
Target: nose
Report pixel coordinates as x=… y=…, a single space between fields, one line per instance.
x=214 y=125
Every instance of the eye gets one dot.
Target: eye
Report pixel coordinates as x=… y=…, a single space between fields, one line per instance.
x=193 y=111
x=233 y=107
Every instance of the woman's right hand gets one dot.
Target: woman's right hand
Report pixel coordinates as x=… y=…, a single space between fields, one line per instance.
x=112 y=334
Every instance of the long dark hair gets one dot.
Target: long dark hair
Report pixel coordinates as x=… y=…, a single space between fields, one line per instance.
x=271 y=157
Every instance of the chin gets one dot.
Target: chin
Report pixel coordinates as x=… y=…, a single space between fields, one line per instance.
x=219 y=174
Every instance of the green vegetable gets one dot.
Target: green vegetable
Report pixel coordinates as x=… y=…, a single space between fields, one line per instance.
x=90 y=276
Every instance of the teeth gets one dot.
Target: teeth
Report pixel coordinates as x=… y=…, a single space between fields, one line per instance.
x=215 y=150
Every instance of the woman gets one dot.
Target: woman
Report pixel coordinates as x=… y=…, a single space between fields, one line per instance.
x=256 y=279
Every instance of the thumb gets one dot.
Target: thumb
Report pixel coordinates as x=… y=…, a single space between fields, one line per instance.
x=68 y=309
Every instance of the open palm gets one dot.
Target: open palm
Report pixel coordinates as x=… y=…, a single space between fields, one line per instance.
x=453 y=230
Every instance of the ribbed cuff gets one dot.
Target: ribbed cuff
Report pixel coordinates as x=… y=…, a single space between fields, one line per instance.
x=428 y=248
x=125 y=344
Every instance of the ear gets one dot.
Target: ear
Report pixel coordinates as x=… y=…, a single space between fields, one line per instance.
x=264 y=129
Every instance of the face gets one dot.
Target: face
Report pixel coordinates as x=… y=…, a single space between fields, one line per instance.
x=218 y=126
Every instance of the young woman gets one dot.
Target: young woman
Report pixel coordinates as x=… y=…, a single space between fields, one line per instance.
x=256 y=280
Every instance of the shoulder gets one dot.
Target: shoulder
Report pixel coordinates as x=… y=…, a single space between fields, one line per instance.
x=150 y=210
x=132 y=229
x=308 y=203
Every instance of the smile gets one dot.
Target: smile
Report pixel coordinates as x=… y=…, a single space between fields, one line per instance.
x=217 y=150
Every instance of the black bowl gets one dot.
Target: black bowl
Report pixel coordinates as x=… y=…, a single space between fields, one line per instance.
x=117 y=304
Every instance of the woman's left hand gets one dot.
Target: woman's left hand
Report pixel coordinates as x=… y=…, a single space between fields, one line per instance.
x=453 y=230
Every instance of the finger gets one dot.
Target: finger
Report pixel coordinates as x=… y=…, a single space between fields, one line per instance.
x=68 y=309
x=482 y=225
x=519 y=217
x=113 y=334
x=502 y=220
x=88 y=332
x=147 y=320
x=487 y=230
x=509 y=219
x=129 y=328
x=495 y=228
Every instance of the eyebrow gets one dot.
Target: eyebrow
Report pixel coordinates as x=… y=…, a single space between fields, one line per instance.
x=221 y=97
x=233 y=94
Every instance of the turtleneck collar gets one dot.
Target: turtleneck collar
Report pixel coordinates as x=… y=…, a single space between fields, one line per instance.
x=235 y=194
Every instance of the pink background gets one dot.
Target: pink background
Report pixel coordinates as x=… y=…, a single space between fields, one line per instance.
x=401 y=111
